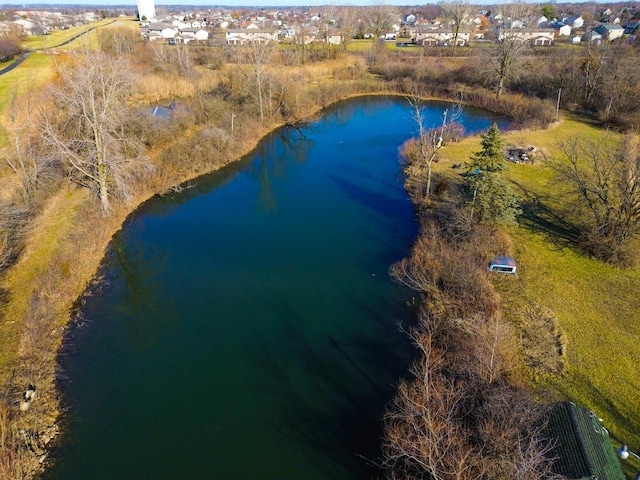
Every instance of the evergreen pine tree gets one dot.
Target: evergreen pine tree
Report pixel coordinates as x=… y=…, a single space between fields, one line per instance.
x=493 y=199
x=490 y=158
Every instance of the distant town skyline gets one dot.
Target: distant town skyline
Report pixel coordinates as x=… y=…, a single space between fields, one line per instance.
x=253 y=3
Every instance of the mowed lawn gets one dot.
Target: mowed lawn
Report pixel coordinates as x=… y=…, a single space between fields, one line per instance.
x=597 y=305
x=58 y=37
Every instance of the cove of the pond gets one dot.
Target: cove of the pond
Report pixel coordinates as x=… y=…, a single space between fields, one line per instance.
x=247 y=328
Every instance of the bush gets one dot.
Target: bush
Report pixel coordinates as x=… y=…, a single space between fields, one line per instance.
x=9 y=47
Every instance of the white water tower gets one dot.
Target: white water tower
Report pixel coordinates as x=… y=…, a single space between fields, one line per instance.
x=146 y=9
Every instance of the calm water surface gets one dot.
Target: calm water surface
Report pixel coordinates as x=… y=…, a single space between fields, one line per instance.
x=247 y=328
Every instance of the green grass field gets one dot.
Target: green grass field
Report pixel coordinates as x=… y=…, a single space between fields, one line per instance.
x=597 y=305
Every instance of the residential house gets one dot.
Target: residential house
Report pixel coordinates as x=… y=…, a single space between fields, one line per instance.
x=537 y=37
x=561 y=29
x=541 y=37
x=10 y=28
x=333 y=39
x=575 y=22
x=189 y=35
x=592 y=37
x=632 y=27
x=30 y=27
x=609 y=31
x=169 y=33
x=441 y=37
x=409 y=19
x=151 y=36
x=564 y=31
x=249 y=37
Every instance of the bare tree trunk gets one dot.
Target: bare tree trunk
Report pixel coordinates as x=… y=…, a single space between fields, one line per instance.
x=87 y=127
x=458 y=11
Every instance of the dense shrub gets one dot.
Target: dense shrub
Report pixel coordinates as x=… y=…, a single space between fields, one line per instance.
x=9 y=47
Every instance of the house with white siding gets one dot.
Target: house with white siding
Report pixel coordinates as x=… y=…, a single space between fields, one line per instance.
x=537 y=37
x=609 y=31
x=441 y=37
x=249 y=37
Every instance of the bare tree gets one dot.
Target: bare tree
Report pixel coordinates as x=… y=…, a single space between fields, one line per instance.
x=430 y=140
x=378 y=19
x=604 y=177
x=456 y=420
x=344 y=19
x=5 y=252
x=118 y=41
x=457 y=11
x=9 y=46
x=511 y=40
x=87 y=126
x=424 y=437
x=24 y=155
x=258 y=56
x=594 y=67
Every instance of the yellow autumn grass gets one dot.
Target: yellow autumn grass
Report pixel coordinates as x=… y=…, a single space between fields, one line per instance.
x=58 y=37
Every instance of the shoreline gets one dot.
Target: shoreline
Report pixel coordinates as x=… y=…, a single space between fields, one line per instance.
x=78 y=252
x=91 y=246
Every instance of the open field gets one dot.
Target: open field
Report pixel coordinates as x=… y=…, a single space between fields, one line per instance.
x=57 y=37
x=596 y=304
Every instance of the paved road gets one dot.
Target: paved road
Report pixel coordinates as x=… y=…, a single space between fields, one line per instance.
x=15 y=63
x=24 y=56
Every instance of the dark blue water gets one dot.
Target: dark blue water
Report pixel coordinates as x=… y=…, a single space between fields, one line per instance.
x=247 y=328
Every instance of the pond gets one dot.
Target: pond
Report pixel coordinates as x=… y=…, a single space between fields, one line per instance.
x=247 y=327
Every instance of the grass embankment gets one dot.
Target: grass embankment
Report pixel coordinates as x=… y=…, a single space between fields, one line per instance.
x=47 y=236
x=37 y=69
x=596 y=305
x=58 y=37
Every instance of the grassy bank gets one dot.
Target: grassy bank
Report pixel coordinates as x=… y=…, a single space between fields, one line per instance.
x=58 y=37
x=595 y=303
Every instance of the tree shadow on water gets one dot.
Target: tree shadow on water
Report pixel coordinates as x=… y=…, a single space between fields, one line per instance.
x=331 y=391
x=379 y=205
